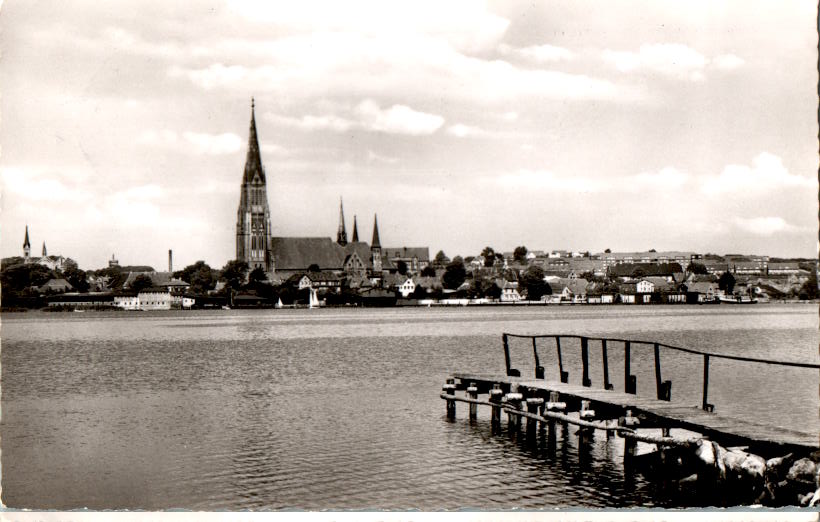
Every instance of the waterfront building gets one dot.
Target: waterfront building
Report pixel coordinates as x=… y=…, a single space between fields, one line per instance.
x=81 y=300
x=253 y=228
x=154 y=298
x=618 y=258
x=55 y=286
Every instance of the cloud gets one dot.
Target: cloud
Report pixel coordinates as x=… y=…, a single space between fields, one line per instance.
x=765 y=226
x=213 y=144
x=545 y=180
x=464 y=131
x=372 y=157
x=539 y=53
x=666 y=178
x=367 y=115
x=192 y=142
x=675 y=60
x=767 y=173
x=464 y=24
x=727 y=62
x=133 y=206
x=40 y=184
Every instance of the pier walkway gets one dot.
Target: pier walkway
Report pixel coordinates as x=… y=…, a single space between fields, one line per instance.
x=607 y=404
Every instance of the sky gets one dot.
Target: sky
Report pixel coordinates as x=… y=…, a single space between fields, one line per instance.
x=578 y=125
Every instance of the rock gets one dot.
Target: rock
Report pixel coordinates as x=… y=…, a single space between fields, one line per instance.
x=777 y=468
x=754 y=466
x=815 y=498
x=706 y=452
x=803 y=471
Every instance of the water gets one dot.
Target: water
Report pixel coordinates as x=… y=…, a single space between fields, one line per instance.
x=339 y=409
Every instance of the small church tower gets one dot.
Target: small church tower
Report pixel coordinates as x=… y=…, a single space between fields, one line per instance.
x=341 y=235
x=355 y=237
x=26 y=247
x=375 y=246
x=253 y=229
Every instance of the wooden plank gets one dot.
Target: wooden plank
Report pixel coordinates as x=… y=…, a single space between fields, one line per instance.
x=691 y=418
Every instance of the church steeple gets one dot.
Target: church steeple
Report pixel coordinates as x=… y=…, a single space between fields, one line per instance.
x=375 y=243
x=26 y=245
x=355 y=237
x=376 y=247
x=45 y=253
x=253 y=161
x=341 y=235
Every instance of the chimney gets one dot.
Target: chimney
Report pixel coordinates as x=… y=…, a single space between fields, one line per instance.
x=170 y=261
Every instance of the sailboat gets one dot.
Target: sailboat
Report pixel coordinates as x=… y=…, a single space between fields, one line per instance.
x=314 y=299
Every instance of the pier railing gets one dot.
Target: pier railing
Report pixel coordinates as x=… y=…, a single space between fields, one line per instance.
x=663 y=388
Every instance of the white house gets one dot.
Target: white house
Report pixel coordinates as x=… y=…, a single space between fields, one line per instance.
x=645 y=287
x=509 y=293
x=127 y=302
x=154 y=298
x=407 y=287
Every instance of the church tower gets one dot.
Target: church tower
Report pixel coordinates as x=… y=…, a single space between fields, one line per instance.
x=253 y=230
x=341 y=235
x=376 y=246
x=26 y=247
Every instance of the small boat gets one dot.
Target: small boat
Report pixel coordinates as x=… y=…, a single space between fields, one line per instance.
x=737 y=299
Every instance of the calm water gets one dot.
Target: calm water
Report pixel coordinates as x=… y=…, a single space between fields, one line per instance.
x=339 y=409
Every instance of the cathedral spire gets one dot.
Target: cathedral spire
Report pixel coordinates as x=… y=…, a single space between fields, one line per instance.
x=341 y=235
x=375 y=243
x=253 y=161
x=45 y=253
x=355 y=237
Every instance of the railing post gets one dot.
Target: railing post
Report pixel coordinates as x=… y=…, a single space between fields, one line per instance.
x=564 y=375
x=585 y=362
x=664 y=388
x=706 y=405
x=630 y=381
x=506 y=352
x=539 y=370
x=472 y=392
x=605 y=357
x=533 y=405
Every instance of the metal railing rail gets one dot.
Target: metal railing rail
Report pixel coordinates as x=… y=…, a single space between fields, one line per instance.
x=663 y=388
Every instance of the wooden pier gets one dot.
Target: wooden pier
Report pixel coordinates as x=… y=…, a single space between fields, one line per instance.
x=754 y=449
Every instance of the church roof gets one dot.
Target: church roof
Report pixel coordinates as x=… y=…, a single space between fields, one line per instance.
x=298 y=253
x=253 y=161
x=420 y=253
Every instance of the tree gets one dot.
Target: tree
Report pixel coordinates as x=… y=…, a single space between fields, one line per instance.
x=726 y=282
x=18 y=278
x=314 y=268
x=257 y=275
x=607 y=251
x=489 y=256
x=76 y=278
x=140 y=283
x=454 y=274
x=696 y=268
x=520 y=253
x=441 y=259
x=233 y=273
x=428 y=271
x=533 y=281
x=199 y=275
x=401 y=266
x=809 y=288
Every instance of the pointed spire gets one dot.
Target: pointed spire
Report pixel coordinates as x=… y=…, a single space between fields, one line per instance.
x=253 y=161
x=355 y=230
x=45 y=253
x=375 y=243
x=26 y=243
x=341 y=235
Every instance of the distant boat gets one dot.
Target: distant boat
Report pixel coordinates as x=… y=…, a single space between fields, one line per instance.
x=737 y=299
x=278 y=303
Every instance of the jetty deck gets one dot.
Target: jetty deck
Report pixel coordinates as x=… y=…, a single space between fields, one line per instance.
x=734 y=431
x=653 y=412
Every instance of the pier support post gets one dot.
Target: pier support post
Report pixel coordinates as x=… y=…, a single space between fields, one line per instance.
x=472 y=392
x=555 y=405
x=450 y=389
x=630 y=444
x=585 y=434
x=533 y=405
x=514 y=400
x=495 y=397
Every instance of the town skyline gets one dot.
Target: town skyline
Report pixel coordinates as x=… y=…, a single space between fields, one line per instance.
x=499 y=124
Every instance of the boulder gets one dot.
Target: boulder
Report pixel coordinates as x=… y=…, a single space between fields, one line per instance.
x=803 y=471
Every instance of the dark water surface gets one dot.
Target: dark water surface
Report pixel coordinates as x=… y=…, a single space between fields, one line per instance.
x=339 y=409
